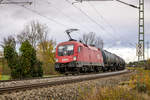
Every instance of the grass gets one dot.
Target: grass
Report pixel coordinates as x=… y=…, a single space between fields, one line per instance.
x=137 y=88
x=111 y=93
x=5 y=77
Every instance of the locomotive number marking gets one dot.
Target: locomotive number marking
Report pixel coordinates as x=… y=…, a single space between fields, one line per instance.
x=64 y=59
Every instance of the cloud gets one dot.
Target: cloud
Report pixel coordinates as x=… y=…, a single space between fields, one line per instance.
x=120 y=22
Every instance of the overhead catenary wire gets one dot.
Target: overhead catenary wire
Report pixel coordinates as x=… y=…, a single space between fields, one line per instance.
x=113 y=31
x=34 y=11
x=1 y=1
x=48 y=18
x=111 y=28
x=67 y=16
x=91 y=19
x=100 y=15
x=51 y=19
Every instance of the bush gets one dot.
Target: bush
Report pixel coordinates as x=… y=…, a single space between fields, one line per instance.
x=37 y=71
x=147 y=67
x=141 y=81
x=11 y=56
x=31 y=67
x=24 y=66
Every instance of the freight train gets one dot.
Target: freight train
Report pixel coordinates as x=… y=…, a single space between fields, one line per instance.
x=74 y=56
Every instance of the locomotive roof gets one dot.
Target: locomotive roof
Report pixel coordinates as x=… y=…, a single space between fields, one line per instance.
x=79 y=43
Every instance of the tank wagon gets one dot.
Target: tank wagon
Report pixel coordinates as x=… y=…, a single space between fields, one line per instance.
x=73 y=56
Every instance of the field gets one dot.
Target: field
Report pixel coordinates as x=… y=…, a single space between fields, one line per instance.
x=137 y=88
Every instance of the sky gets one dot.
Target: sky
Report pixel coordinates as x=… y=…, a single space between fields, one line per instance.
x=116 y=23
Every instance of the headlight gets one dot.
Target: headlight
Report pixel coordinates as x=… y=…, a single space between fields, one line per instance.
x=56 y=59
x=74 y=58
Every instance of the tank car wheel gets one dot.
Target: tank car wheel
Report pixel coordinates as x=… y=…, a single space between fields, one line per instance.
x=97 y=69
x=104 y=69
x=112 y=69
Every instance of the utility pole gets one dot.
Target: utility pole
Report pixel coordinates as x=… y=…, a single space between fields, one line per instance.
x=141 y=30
x=140 y=46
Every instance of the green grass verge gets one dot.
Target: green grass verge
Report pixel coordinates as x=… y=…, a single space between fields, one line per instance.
x=5 y=77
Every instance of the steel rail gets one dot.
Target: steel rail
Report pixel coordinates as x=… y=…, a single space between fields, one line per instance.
x=34 y=78
x=61 y=82
x=61 y=75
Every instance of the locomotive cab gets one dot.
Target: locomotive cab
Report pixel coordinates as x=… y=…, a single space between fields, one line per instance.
x=66 y=56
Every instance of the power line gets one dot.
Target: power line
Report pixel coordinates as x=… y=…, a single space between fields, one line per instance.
x=48 y=18
x=67 y=16
x=100 y=15
x=101 y=27
x=91 y=19
x=108 y=24
x=1 y=1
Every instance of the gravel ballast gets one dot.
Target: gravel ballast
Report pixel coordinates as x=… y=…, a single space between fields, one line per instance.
x=64 y=92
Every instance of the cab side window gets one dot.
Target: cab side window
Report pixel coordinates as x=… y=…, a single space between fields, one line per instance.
x=79 y=49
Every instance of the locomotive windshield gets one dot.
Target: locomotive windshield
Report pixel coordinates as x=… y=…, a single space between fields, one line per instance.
x=65 y=50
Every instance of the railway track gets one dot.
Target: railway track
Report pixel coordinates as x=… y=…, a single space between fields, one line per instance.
x=57 y=81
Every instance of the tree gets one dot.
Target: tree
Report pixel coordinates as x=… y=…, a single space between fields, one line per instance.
x=9 y=41
x=37 y=35
x=10 y=54
x=46 y=54
x=31 y=67
x=92 y=39
x=25 y=64
x=34 y=33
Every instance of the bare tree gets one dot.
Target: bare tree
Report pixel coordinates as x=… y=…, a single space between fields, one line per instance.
x=34 y=33
x=10 y=40
x=99 y=42
x=92 y=39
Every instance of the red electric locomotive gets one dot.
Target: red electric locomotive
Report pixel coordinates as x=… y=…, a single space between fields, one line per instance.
x=74 y=56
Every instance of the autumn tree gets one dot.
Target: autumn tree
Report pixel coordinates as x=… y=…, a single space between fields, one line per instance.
x=92 y=39
x=37 y=34
x=34 y=33
x=46 y=54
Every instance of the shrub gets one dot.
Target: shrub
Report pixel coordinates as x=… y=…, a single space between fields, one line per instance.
x=12 y=59
x=147 y=66
x=141 y=81
x=31 y=67
x=37 y=71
